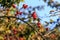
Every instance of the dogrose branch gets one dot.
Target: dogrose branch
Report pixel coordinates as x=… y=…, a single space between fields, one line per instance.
x=16 y=18
x=22 y=21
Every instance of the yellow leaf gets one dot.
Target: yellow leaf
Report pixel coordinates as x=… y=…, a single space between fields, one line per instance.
x=1 y=38
x=8 y=31
x=51 y=20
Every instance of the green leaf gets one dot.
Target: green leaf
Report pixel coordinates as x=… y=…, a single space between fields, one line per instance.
x=21 y=0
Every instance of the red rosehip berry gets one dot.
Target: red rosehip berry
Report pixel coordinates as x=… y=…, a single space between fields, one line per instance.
x=25 y=6
x=5 y=38
x=38 y=24
x=47 y=29
x=20 y=13
x=34 y=15
x=16 y=13
x=10 y=38
x=53 y=36
x=13 y=5
x=8 y=9
x=21 y=38
x=15 y=31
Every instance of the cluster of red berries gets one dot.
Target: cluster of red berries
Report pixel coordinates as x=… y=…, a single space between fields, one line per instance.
x=33 y=15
